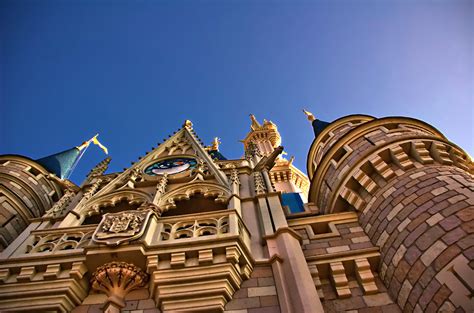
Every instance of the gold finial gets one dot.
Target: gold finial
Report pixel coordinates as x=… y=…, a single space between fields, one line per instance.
x=309 y=115
x=255 y=124
x=188 y=124
x=215 y=144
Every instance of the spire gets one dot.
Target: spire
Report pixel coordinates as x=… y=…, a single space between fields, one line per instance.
x=213 y=149
x=63 y=163
x=100 y=168
x=318 y=125
x=215 y=144
x=309 y=115
x=255 y=124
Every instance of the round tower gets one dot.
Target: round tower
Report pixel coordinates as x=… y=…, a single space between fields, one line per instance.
x=26 y=191
x=413 y=191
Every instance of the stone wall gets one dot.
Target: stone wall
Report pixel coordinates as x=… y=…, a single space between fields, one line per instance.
x=257 y=294
x=344 y=263
x=25 y=192
x=424 y=227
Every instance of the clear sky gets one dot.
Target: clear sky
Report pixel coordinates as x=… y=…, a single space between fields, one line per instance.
x=135 y=70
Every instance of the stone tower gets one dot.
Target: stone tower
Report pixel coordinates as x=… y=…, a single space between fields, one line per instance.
x=27 y=191
x=387 y=226
x=413 y=193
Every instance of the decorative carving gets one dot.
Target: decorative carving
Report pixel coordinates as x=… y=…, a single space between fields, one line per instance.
x=59 y=207
x=199 y=170
x=252 y=151
x=208 y=189
x=132 y=196
x=215 y=144
x=99 y=169
x=161 y=187
x=116 y=228
x=259 y=183
x=234 y=176
x=188 y=124
x=91 y=191
x=195 y=228
x=148 y=206
x=133 y=177
x=59 y=242
x=117 y=279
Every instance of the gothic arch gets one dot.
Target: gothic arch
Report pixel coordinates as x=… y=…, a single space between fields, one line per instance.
x=132 y=196
x=207 y=189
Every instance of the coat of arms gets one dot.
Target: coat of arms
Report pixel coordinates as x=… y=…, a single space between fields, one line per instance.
x=116 y=228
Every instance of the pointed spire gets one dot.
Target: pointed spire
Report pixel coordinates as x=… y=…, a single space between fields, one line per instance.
x=255 y=124
x=100 y=168
x=318 y=125
x=62 y=164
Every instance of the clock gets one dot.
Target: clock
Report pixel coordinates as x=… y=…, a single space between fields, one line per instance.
x=170 y=166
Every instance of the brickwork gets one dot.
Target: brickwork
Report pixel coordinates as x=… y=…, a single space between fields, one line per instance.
x=25 y=193
x=389 y=228
x=358 y=301
x=343 y=262
x=257 y=294
x=330 y=137
x=420 y=236
x=414 y=193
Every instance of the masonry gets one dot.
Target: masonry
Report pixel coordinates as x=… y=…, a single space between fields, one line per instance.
x=382 y=222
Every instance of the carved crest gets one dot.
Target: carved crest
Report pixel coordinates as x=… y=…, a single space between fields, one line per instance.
x=116 y=228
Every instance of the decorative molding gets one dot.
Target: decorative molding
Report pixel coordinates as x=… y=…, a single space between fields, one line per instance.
x=234 y=176
x=208 y=189
x=117 y=279
x=59 y=207
x=116 y=228
x=132 y=196
x=259 y=183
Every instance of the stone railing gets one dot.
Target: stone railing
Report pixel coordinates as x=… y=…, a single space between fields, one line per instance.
x=56 y=240
x=202 y=226
x=169 y=230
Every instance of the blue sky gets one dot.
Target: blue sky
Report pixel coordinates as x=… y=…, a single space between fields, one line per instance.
x=135 y=70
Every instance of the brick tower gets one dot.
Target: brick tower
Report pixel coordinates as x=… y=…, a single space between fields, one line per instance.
x=413 y=193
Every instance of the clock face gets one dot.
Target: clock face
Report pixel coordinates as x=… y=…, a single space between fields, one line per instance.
x=170 y=166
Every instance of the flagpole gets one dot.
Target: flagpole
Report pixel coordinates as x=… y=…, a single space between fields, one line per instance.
x=78 y=159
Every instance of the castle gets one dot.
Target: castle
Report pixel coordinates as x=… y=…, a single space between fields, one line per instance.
x=382 y=222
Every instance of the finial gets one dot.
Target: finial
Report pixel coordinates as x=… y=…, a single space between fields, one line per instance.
x=309 y=115
x=188 y=124
x=215 y=144
x=255 y=124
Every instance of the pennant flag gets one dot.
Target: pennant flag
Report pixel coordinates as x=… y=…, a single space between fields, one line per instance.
x=97 y=142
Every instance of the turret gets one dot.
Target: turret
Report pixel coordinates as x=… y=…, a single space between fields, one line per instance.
x=27 y=191
x=412 y=191
x=29 y=188
x=261 y=142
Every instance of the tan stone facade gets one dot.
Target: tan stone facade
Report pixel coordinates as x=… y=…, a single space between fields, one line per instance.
x=387 y=227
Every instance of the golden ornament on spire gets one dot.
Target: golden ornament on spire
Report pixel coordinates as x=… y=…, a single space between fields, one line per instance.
x=215 y=144
x=309 y=115
x=188 y=124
